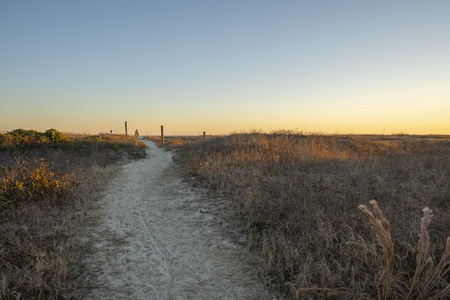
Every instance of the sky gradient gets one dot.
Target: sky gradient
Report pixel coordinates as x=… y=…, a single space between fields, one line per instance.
x=221 y=66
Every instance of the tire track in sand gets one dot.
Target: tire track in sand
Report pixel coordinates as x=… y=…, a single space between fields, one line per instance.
x=158 y=238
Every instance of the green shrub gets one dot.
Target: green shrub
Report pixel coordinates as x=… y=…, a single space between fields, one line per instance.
x=28 y=137
x=25 y=137
x=55 y=136
x=94 y=138
x=113 y=146
x=26 y=181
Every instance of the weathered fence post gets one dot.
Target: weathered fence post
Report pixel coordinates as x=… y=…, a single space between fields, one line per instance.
x=162 y=134
x=126 y=130
x=204 y=135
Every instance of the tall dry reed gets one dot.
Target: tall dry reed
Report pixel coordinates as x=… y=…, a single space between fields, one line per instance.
x=428 y=280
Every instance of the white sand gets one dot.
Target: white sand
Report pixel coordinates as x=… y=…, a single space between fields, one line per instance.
x=158 y=238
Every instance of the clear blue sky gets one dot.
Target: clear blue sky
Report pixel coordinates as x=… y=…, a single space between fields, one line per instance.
x=223 y=66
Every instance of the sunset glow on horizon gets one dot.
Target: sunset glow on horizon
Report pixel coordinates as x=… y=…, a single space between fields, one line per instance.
x=225 y=66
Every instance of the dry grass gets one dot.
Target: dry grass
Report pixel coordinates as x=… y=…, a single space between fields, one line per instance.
x=382 y=228
x=296 y=197
x=46 y=189
x=429 y=278
x=175 y=142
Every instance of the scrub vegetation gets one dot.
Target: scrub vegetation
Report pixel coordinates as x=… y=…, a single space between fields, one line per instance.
x=302 y=201
x=48 y=181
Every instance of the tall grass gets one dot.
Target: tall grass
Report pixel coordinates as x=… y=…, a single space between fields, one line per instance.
x=48 y=182
x=428 y=280
x=296 y=196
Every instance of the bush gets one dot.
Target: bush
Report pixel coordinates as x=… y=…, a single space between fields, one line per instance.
x=55 y=136
x=27 y=181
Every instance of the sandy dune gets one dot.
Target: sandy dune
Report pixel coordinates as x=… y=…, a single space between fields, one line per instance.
x=158 y=238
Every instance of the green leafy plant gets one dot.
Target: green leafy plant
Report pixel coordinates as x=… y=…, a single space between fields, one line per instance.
x=55 y=136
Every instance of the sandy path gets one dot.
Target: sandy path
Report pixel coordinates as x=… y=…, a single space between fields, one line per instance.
x=157 y=238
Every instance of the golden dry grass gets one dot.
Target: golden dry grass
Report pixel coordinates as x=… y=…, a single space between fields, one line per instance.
x=297 y=198
x=174 y=142
x=428 y=280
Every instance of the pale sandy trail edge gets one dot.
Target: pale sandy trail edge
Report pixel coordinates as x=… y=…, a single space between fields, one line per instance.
x=158 y=238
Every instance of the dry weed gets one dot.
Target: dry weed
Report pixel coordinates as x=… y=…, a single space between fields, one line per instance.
x=46 y=189
x=428 y=280
x=295 y=196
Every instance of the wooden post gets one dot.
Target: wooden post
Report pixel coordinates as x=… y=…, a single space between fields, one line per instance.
x=162 y=134
x=126 y=130
x=204 y=135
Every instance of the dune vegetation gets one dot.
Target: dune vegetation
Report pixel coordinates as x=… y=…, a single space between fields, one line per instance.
x=302 y=201
x=330 y=216
x=48 y=181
